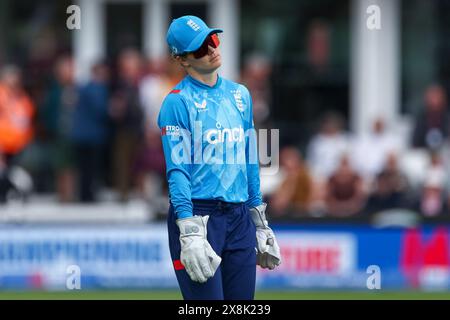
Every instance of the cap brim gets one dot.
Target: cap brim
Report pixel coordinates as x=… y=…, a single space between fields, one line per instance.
x=198 y=40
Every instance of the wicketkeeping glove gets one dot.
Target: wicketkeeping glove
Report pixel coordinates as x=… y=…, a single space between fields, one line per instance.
x=268 y=255
x=197 y=255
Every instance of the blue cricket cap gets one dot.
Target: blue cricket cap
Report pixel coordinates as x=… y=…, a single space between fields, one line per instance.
x=187 y=34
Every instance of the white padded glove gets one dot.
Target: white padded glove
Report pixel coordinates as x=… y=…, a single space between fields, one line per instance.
x=268 y=255
x=197 y=255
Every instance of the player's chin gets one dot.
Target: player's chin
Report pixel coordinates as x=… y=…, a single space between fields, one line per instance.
x=216 y=64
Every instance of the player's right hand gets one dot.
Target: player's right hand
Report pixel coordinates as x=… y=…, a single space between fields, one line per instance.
x=197 y=255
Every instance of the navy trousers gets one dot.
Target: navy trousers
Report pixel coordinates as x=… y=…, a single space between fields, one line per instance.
x=232 y=235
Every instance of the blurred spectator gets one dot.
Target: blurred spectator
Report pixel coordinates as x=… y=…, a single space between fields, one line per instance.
x=150 y=167
x=5 y=182
x=370 y=151
x=164 y=74
x=42 y=54
x=57 y=118
x=318 y=45
x=294 y=194
x=90 y=131
x=256 y=77
x=433 y=200
x=344 y=190
x=326 y=148
x=391 y=188
x=16 y=115
x=431 y=124
x=127 y=115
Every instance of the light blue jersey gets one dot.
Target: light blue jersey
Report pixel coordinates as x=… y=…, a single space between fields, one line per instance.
x=209 y=144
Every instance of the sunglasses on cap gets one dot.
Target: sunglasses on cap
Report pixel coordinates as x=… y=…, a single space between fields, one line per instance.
x=212 y=40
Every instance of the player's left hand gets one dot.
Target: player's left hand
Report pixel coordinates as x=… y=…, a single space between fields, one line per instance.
x=268 y=255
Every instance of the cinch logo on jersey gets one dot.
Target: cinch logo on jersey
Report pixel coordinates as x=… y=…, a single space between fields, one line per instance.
x=212 y=146
x=170 y=131
x=219 y=135
x=193 y=25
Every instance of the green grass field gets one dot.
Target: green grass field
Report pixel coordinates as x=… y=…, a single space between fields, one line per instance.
x=260 y=295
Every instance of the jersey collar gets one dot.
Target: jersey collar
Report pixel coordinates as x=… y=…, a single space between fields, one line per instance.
x=203 y=85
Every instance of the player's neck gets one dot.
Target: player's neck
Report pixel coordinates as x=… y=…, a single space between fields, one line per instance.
x=209 y=79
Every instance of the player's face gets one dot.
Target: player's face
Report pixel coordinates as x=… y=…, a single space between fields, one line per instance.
x=207 y=58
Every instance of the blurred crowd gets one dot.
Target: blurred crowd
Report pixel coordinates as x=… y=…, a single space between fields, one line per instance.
x=343 y=175
x=75 y=140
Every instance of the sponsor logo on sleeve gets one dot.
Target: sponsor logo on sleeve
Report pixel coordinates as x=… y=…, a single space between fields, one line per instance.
x=170 y=130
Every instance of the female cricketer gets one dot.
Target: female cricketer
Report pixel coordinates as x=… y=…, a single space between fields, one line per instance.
x=218 y=231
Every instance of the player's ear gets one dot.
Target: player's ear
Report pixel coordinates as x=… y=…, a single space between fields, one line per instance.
x=183 y=61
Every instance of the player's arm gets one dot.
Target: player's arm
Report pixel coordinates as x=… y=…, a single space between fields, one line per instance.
x=251 y=154
x=268 y=255
x=174 y=123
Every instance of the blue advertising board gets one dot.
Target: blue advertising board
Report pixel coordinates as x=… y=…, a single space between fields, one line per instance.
x=44 y=257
